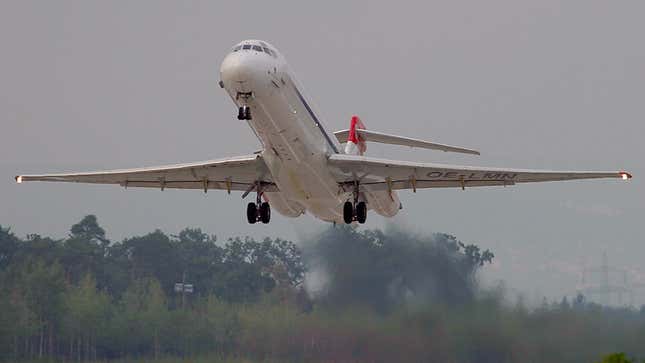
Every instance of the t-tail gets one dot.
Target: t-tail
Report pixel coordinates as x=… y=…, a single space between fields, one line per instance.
x=357 y=136
x=355 y=141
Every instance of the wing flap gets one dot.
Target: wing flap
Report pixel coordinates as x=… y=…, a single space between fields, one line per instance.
x=236 y=173
x=384 y=138
x=426 y=184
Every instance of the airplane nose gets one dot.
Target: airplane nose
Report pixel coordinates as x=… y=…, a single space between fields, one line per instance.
x=238 y=67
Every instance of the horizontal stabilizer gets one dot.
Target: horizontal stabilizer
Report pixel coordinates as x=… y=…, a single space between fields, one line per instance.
x=373 y=136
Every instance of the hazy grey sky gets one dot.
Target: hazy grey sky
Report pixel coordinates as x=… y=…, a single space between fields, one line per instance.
x=88 y=85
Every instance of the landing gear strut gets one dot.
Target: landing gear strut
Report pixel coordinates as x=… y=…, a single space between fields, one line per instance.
x=259 y=211
x=244 y=113
x=356 y=211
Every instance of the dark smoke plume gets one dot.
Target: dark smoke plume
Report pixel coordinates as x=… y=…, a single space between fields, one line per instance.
x=386 y=269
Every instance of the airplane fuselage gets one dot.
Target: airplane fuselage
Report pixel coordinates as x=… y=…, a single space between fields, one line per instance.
x=295 y=143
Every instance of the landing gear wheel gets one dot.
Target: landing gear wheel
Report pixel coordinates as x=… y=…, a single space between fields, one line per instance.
x=348 y=212
x=244 y=113
x=361 y=212
x=265 y=212
x=251 y=213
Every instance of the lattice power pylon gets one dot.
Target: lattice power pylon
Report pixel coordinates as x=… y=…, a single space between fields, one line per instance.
x=607 y=285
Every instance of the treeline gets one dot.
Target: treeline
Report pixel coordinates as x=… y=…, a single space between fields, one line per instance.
x=370 y=296
x=84 y=297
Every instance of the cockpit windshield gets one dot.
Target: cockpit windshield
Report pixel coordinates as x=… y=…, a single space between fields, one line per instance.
x=257 y=48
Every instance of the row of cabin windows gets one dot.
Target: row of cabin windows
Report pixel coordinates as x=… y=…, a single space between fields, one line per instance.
x=256 y=48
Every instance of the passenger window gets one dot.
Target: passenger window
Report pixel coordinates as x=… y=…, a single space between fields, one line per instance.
x=246 y=46
x=257 y=47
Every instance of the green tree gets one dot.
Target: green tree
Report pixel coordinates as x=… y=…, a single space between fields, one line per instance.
x=153 y=256
x=35 y=247
x=146 y=316
x=89 y=311
x=199 y=259
x=40 y=289
x=9 y=245
x=88 y=229
x=243 y=277
x=616 y=358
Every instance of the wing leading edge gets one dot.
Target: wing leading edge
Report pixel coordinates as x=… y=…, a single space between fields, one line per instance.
x=235 y=173
x=382 y=174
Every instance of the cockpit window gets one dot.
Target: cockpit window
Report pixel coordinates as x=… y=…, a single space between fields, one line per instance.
x=257 y=48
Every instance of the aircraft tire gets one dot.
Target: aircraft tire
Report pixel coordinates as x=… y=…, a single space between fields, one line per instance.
x=251 y=213
x=265 y=212
x=348 y=212
x=361 y=212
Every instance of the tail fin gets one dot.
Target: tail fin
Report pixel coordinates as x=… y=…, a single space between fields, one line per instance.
x=355 y=141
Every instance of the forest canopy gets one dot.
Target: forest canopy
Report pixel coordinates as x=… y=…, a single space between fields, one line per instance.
x=345 y=294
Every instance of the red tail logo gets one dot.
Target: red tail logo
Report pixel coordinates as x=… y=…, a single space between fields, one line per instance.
x=354 y=137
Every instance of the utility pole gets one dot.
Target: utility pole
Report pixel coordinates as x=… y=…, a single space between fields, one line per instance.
x=183 y=291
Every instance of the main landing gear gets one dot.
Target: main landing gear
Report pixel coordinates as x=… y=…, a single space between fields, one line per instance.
x=356 y=211
x=244 y=113
x=259 y=211
x=258 y=214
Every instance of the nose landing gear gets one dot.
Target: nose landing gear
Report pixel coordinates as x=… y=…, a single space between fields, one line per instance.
x=244 y=113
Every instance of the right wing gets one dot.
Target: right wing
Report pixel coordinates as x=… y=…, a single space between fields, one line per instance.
x=235 y=173
x=384 y=138
x=381 y=174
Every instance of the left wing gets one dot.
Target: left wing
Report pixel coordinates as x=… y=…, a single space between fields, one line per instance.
x=235 y=173
x=381 y=174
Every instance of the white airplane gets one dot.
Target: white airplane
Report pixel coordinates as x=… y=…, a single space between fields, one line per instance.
x=303 y=168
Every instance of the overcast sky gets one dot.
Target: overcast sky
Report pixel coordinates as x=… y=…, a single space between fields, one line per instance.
x=87 y=85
